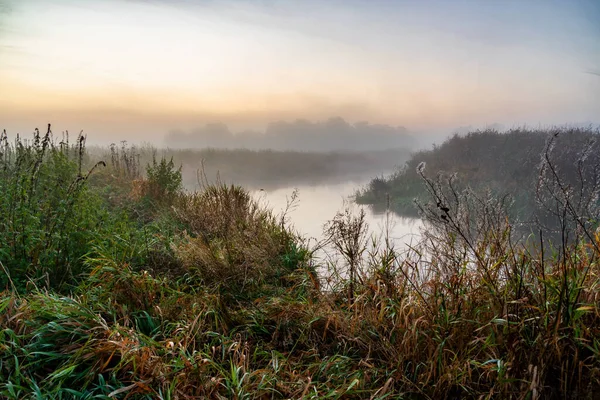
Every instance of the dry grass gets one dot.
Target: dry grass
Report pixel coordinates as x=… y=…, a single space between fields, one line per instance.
x=232 y=241
x=469 y=312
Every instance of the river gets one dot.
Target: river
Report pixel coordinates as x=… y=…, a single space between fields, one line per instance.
x=317 y=204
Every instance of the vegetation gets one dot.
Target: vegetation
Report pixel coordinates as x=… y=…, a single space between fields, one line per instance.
x=299 y=135
x=114 y=290
x=503 y=163
x=269 y=169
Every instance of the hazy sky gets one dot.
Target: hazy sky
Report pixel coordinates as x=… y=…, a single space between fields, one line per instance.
x=137 y=68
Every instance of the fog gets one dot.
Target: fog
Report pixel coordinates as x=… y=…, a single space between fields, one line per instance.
x=314 y=205
x=361 y=83
x=299 y=135
x=137 y=70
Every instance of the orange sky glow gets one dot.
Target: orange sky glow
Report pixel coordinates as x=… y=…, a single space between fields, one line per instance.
x=136 y=69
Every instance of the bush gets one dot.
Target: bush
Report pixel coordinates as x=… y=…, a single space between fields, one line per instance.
x=163 y=180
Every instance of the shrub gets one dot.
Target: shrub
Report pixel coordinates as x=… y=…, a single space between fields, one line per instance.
x=163 y=180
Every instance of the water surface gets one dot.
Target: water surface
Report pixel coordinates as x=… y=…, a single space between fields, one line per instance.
x=316 y=205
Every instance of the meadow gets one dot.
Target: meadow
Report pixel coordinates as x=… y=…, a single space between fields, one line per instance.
x=118 y=284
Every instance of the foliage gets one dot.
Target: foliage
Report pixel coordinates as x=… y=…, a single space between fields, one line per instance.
x=217 y=298
x=47 y=215
x=348 y=234
x=234 y=243
x=503 y=163
x=164 y=180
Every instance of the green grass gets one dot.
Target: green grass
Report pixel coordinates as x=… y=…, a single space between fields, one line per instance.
x=145 y=295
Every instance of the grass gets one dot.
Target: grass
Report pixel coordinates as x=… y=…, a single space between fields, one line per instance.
x=269 y=169
x=208 y=295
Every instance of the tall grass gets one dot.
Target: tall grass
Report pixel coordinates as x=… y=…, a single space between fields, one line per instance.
x=47 y=214
x=211 y=296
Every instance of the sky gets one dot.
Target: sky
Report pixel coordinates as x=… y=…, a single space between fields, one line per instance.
x=135 y=69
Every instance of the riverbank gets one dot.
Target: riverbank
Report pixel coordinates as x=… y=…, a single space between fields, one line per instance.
x=123 y=286
x=267 y=169
x=506 y=164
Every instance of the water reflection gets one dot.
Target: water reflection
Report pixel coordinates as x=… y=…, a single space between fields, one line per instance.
x=316 y=205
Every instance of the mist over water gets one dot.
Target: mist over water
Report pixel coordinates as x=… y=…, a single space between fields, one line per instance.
x=333 y=134
x=317 y=204
x=309 y=189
